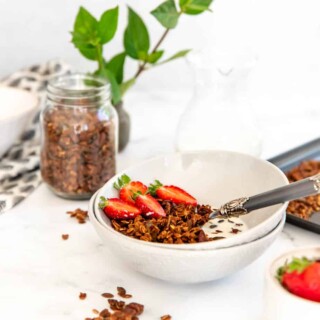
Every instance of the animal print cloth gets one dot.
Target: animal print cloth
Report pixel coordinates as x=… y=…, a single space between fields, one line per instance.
x=19 y=167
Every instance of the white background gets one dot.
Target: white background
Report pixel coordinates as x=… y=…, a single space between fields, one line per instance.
x=285 y=35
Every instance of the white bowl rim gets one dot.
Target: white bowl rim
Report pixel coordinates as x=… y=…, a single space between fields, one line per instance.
x=27 y=108
x=287 y=255
x=176 y=246
x=174 y=154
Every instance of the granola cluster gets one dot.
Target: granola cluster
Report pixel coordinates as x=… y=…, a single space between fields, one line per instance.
x=78 y=150
x=305 y=207
x=118 y=309
x=182 y=224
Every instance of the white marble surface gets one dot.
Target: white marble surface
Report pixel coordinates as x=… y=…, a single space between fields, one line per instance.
x=41 y=275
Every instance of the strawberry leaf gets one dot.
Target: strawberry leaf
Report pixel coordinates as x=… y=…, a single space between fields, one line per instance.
x=103 y=202
x=297 y=264
x=154 y=187
x=122 y=181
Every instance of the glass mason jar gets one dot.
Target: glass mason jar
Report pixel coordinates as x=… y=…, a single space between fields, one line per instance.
x=79 y=136
x=219 y=115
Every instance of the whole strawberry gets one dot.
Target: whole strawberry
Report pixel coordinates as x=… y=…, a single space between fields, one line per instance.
x=301 y=277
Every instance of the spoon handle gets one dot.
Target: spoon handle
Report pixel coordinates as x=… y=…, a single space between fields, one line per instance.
x=296 y=190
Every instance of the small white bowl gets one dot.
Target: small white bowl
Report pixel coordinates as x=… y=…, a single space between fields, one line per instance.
x=280 y=304
x=16 y=108
x=182 y=266
x=214 y=178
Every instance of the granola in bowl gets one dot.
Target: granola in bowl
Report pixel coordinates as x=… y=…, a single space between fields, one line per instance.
x=164 y=214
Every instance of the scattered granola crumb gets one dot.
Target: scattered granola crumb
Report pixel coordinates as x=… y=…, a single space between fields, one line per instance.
x=82 y=295
x=116 y=304
x=235 y=231
x=217 y=238
x=166 y=317
x=107 y=295
x=95 y=311
x=80 y=215
x=123 y=293
x=65 y=236
x=105 y=313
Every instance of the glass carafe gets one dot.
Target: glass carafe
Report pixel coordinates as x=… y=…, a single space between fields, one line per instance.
x=218 y=117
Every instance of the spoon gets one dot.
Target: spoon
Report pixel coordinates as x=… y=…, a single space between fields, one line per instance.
x=293 y=191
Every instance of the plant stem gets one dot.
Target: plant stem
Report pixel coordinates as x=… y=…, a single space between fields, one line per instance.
x=142 y=66
x=100 y=58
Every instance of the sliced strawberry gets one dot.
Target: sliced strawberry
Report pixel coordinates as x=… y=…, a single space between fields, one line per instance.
x=149 y=206
x=172 y=193
x=116 y=208
x=128 y=188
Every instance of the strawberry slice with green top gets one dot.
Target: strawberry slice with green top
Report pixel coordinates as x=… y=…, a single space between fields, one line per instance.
x=116 y=208
x=302 y=278
x=127 y=188
x=171 y=193
x=149 y=206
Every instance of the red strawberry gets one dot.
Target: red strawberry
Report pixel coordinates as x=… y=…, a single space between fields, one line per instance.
x=149 y=206
x=116 y=208
x=311 y=276
x=172 y=193
x=302 y=278
x=128 y=188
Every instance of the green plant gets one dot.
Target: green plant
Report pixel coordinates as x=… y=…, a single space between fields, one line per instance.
x=90 y=35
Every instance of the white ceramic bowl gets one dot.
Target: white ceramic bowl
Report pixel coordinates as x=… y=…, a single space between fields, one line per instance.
x=280 y=303
x=182 y=266
x=16 y=108
x=214 y=178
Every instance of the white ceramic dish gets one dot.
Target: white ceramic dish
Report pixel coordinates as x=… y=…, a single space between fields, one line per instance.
x=214 y=178
x=182 y=266
x=16 y=108
x=280 y=303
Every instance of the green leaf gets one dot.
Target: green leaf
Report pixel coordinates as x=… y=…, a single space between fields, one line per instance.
x=153 y=187
x=178 y=55
x=125 y=86
x=84 y=35
x=122 y=181
x=194 y=6
x=297 y=264
x=116 y=65
x=167 y=14
x=108 y=25
x=85 y=27
x=114 y=87
x=88 y=51
x=136 y=36
x=155 y=56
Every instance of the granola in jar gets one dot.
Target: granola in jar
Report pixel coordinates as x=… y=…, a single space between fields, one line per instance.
x=79 y=136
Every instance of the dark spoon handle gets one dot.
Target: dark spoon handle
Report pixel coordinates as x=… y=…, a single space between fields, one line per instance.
x=296 y=190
